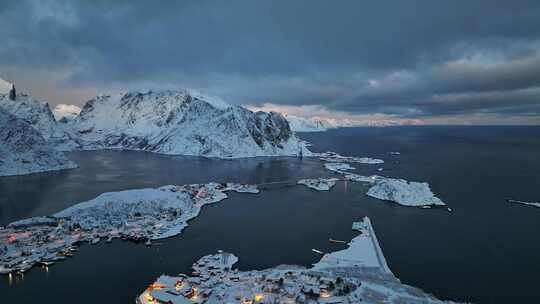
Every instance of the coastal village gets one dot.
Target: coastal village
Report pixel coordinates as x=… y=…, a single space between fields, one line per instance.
x=358 y=274
x=134 y=215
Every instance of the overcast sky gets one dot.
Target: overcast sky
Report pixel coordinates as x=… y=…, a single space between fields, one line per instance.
x=475 y=61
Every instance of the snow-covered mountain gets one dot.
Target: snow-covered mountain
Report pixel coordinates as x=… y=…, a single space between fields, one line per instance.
x=5 y=86
x=65 y=112
x=182 y=122
x=35 y=112
x=313 y=124
x=23 y=150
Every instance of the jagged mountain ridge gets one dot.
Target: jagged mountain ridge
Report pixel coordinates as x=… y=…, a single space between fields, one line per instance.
x=182 y=122
x=36 y=113
x=23 y=150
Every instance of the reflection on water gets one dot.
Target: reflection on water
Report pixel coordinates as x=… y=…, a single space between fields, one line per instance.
x=486 y=251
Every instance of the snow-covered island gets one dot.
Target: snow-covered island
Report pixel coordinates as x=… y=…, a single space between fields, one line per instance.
x=319 y=184
x=182 y=122
x=358 y=274
x=339 y=168
x=334 y=157
x=139 y=215
x=404 y=192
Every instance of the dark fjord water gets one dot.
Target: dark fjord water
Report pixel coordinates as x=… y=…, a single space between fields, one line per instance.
x=486 y=251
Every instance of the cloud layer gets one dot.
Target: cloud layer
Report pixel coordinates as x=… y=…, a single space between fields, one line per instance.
x=427 y=59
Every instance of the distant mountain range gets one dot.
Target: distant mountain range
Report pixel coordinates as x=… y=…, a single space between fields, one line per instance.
x=319 y=124
x=313 y=124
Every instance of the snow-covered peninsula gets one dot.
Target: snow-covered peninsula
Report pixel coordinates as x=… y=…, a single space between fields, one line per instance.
x=358 y=274
x=137 y=215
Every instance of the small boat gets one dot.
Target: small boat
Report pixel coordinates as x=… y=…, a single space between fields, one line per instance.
x=337 y=241
x=317 y=251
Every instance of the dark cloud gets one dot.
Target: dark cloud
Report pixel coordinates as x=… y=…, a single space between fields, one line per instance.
x=410 y=58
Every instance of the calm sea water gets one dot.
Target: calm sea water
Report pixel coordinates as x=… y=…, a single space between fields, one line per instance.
x=486 y=251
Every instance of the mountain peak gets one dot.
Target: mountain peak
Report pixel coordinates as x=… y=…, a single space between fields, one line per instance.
x=5 y=87
x=177 y=94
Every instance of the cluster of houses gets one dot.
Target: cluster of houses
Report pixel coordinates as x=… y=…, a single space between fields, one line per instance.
x=140 y=218
x=214 y=281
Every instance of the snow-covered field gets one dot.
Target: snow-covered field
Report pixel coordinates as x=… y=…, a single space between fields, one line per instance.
x=358 y=274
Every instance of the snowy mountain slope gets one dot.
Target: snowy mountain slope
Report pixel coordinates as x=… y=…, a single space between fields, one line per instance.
x=314 y=124
x=182 y=122
x=35 y=112
x=65 y=112
x=23 y=150
x=5 y=86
